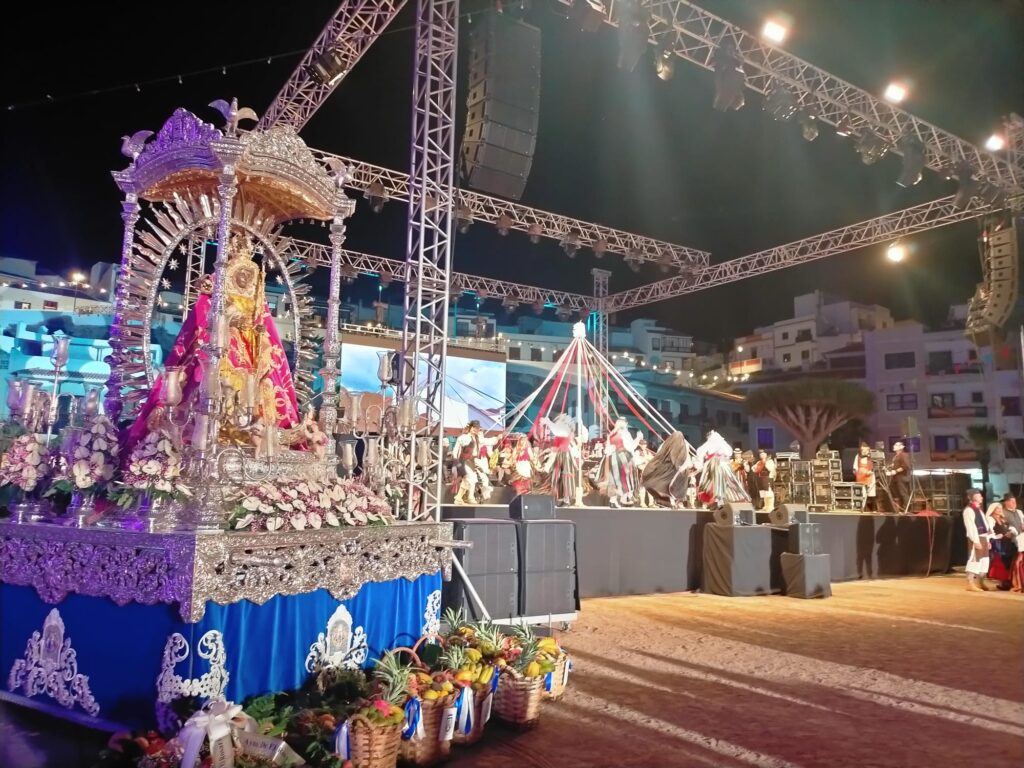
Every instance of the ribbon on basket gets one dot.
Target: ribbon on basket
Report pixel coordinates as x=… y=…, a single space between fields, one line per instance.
x=215 y=721
x=464 y=710
x=413 y=720
x=548 y=681
x=342 y=741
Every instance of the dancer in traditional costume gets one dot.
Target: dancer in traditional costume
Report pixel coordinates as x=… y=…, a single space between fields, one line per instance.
x=718 y=484
x=619 y=472
x=979 y=534
x=864 y=473
x=641 y=458
x=523 y=462
x=1015 y=521
x=667 y=474
x=564 y=463
x=471 y=470
x=764 y=472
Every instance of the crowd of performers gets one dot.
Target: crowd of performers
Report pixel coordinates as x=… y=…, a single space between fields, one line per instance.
x=558 y=459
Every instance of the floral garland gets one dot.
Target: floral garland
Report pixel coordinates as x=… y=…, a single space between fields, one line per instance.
x=154 y=467
x=90 y=458
x=26 y=465
x=298 y=504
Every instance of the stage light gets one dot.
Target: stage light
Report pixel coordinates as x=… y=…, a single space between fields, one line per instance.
x=77 y=277
x=739 y=349
x=327 y=68
x=590 y=14
x=535 y=233
x=503 y=224
x=845 y=126
x=463 y=218
x=913 y=160
x=376 y=195
x=775 y=31
x=895 y=92
x=599 y=247
x=968 y=187
x=665 y=64
x=729 y=77
x=896 y=252
x=808 y=124
x=780 y=103
x=570 y=244
x=992 y=195
x=665 y=261
x=995 y=142
x=871 y=148
x=634 y=30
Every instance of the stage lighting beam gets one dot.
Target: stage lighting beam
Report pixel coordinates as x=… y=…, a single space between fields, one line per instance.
x=665 y=64
x=896 y=92
x=995 y=142
x=896 y=252
x=774 y=31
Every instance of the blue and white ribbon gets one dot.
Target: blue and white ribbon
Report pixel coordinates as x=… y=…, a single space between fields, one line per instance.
x=494 y=679
x=413 y=720
x=548 y=681
x=342 y=745
x=464 y=710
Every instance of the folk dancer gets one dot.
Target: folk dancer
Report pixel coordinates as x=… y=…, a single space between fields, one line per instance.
x=619 y=469
x=667 y=474
x=764 y=472
x=469 y=466
x=718 y=484
x=1015 y=521
x=1004 y=547
x=641 y=458
x=523 y=462
x=901 y=473
x=864 y=473
x=564 y=463
x=979 y=534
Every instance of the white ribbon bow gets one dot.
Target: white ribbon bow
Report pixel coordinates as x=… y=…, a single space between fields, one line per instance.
x=213 y=721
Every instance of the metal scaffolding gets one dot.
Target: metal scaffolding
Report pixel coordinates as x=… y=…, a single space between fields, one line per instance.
x=919 y=218
x=347 y=36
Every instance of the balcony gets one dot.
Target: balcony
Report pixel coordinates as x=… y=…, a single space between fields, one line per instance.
x=963 y=454
x=955 y=369
x=958 y=412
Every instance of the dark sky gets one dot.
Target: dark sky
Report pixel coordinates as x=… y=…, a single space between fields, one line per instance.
x=623 y=149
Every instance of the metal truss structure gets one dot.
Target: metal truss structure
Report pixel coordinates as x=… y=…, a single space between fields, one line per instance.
x=347 y=36
x=195 y=269
x=600 y=310
x=385 y=184
x=695 y=35
x=428 y=261
x=881 y=229
x=392 y=270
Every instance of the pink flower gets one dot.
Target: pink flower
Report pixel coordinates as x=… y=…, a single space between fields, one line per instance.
x=382 y=707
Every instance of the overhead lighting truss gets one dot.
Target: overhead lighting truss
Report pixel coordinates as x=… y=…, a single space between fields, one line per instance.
x=353 y=29
x=507 y=216
x=882 y=229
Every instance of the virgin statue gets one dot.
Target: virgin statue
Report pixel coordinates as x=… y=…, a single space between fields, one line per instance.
x=254 y=375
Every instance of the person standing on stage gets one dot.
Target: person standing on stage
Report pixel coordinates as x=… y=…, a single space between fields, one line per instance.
x=718 y=484
x=522 y=465
x=467 y=449
x=619 y=469
x=641 y=458
x=864 y=473
x=979 y=534
x=1015 y=522
x=565 y=459
x=901 y=474
x=764 y=472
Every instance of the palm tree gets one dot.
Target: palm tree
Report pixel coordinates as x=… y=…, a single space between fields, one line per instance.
x=984 y=437
x=811 y=409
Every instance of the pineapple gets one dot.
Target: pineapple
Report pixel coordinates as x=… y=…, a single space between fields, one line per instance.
x=394 y=676
x=454 y=620
x=490 y=639
x=454 y=658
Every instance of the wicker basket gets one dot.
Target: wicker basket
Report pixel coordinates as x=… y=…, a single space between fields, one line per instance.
x=477 y=731
x=558 y=679
x=518 y=699
x=373 y=746
x=430 y=749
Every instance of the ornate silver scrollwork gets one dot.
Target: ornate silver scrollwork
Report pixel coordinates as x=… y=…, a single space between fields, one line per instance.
x=50 y=668
x=171 y=686
x=339 y=645
x=432 y=614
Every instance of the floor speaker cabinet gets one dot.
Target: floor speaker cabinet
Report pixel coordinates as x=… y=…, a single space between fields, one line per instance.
x=462 y=512
x=787 y=514
x=502 y=106
x=498 y=591
x=546 y=545
x=806 y=575
x=805 y=538
x=495 y=545
x=532 y=507
x=735 y=513
x=547 y=593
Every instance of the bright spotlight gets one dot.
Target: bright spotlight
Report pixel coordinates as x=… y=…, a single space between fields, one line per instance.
x=895 y=92
x=896 y=252
x=995 y=142
x=775 y=31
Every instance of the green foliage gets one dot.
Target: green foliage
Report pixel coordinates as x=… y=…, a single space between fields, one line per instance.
x=848 y=397
x=983 y=436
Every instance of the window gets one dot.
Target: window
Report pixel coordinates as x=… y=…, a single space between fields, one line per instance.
x=49 y=304
x=940 y=362
x=515 y=353
x=805 y=354
x=722 y=418
x=977 y=398
x=684 y=409
x=655 y=342
x=736 y=419
x=943 y=400
x=785 y=335
x=946 y=443
x=901 y=402
x=786 y=357
x=895 y=360
x=1010 y=406
x=22 y=305
x=753 y=353
x=535 y=354
x=766 y=438
x=912 y=444
x=804 y=335
x=972 y=354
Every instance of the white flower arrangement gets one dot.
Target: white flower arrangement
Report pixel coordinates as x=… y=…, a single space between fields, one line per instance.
x=298 y=504
x=90 y=457
x=154 y=467
x=26 y=465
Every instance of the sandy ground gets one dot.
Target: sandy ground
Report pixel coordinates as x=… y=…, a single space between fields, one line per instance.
x=909 y=672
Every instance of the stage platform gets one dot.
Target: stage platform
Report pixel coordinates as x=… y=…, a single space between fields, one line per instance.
x=641 y=551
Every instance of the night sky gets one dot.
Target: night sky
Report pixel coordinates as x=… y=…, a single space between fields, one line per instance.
x=619 y=148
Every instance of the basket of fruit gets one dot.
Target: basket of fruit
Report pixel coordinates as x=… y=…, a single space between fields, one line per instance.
x=426 y=740
x=521 y=686
x=475 y=654
x=375 y=730
x=555 y=681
